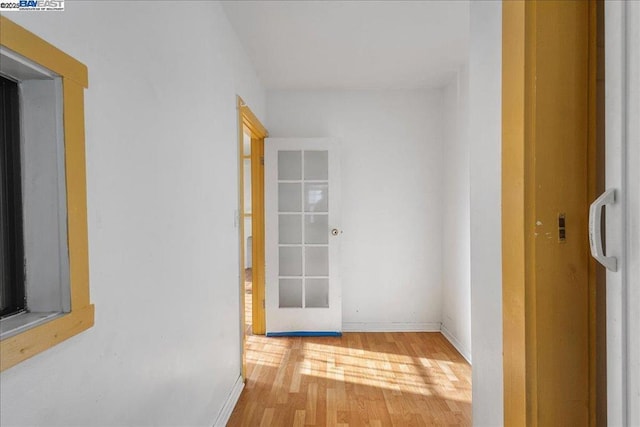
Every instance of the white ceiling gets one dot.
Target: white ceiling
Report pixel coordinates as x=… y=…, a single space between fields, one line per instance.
x=352 y=44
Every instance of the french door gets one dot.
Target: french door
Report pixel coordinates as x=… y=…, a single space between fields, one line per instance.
x=302 y=237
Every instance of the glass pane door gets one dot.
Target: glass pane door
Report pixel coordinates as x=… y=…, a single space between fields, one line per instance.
x=302 y=235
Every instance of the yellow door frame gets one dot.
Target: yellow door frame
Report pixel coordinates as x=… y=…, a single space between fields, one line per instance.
x=249 y=123
x=549 y=170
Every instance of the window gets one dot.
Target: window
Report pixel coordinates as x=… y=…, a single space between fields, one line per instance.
x=38 y=274
x=12 y=295
x=45 y=285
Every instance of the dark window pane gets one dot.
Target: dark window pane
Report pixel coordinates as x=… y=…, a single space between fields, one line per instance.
x=12 y=295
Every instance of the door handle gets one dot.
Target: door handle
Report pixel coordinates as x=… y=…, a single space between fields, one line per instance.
x=595 y=229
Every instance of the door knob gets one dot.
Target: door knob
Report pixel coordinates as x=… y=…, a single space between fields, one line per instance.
x=335 y=232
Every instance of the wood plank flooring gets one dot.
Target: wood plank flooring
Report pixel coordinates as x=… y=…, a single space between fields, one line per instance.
x=360 y=379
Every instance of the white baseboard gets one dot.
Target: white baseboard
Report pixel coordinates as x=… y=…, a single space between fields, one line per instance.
x=454 y=342
x=391 y=327
x=230 y=404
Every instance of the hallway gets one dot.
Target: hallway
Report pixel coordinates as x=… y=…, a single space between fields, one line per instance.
x=377 y=379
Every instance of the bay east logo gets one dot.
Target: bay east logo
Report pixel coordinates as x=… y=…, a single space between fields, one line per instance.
x=41 y=4
x=32 y=5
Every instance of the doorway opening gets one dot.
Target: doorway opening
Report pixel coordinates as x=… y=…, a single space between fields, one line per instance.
x=248 y=234
x=251 y=135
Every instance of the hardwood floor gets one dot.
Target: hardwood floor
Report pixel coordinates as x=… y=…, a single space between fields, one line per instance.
x=376 y=379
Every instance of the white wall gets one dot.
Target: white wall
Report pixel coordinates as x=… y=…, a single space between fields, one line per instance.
x=391 y=197
x=456 y=287
x=161 y=139
x=485 y=88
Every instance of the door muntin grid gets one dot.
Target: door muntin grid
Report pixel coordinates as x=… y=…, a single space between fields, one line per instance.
x=303 y=228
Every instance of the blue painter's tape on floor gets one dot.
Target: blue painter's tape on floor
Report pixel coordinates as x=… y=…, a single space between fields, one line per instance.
x=305 y=334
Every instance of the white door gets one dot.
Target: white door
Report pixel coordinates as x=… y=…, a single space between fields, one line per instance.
x=302 y=237
x=622 y=201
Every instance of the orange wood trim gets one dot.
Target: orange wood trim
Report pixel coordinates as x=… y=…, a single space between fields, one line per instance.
x=27 y=44
x=36 y=340
x=513 y=206
x=546 y=283
x=76 y=193
x=258 y=223
x=251 y=121
x=597 y=275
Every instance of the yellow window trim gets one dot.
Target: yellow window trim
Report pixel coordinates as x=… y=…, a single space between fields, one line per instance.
x=15 y=349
